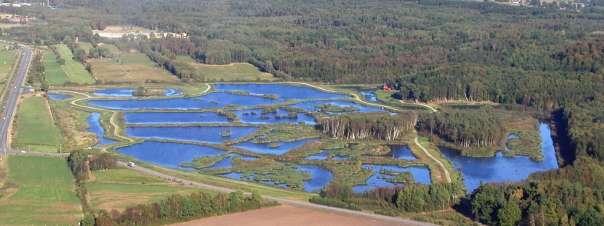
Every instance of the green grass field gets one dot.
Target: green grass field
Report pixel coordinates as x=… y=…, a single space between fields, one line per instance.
x=7 y=60
x=53 y=72
x=129 y=68
x=120 y=188
x=43 y=193
x=136 y=58
x=75 y=71
x=86 y=46
x=235 y=72
x=35 y=129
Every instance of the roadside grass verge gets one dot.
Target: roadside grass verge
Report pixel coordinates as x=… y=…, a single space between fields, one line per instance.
x=74 y=70
x=35 y=129
x=44 y=193
x=120 y=188
x=7 y=61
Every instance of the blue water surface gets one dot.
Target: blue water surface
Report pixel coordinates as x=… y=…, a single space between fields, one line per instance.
x=281 y=91
x=208 y=134
x=378 y=180
x=58 y=96
x=501 y=168
x=314 y=105
x=115 y=92
x=94 y=126
x=211 y=100
x=173 y=117
x=166 y=154
x=319 y=177
x=256 y=116
x=369 y=96
x=266 y=148
x=402 y=152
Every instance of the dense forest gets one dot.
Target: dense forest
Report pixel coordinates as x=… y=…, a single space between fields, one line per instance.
x=476 y=128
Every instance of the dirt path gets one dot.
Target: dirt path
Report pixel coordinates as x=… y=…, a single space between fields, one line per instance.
x=286 y=215
x=447 y=175
x=298 y=204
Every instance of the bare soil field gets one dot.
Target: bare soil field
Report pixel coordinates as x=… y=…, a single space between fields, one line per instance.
x=285 y=215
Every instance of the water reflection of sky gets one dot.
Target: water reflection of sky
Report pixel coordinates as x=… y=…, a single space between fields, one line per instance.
x=501 y=168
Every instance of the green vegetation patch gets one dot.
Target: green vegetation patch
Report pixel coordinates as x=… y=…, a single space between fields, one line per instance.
x=7 y=60
x=74 y=126
x=120 y=188
x=43 y=195
x=86 y=46
x=53 y=72
x=228 y=72
x=35 y=128
x=75 y=71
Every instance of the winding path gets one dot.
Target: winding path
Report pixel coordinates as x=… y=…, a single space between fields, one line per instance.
x=447 y=175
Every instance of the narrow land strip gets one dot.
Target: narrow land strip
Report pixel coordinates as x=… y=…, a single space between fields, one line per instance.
x=447 y=175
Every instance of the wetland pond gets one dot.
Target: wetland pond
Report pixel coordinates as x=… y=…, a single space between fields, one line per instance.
x=94 y=126
x=173 y=134
x=500 y=168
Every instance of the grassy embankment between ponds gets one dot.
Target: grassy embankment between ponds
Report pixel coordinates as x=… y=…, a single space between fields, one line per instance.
x=38 y=191
x=35 y=128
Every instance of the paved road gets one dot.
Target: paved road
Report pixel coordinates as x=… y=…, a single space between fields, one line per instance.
x=302 y=204
x=12 y=95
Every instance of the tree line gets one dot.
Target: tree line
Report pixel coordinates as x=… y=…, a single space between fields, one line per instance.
x=466 y=128
x=177 y=208
x=364 y=126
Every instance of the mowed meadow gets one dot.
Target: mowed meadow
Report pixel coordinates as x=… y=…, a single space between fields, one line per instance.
x=127 y=67
x=61 y=68
x=120 y=188
x=37 y=191
x=34 y=128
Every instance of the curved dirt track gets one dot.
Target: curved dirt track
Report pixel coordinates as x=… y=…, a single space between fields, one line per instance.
x=287 y=215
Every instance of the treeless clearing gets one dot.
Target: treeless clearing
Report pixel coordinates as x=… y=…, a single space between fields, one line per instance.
x=286 y=215
x=108 y=71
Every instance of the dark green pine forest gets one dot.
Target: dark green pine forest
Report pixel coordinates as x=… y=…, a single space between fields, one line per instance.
x=538 y=59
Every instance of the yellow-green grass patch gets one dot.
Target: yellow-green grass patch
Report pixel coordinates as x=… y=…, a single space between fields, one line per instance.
x=45 y=193
x=233 y=72
x=74 y=126
x=76 y=72
x=86 y=46
x=35 y=129
x=120 y=188
x=53 y=73
x=110 y=71
x=7 y=60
